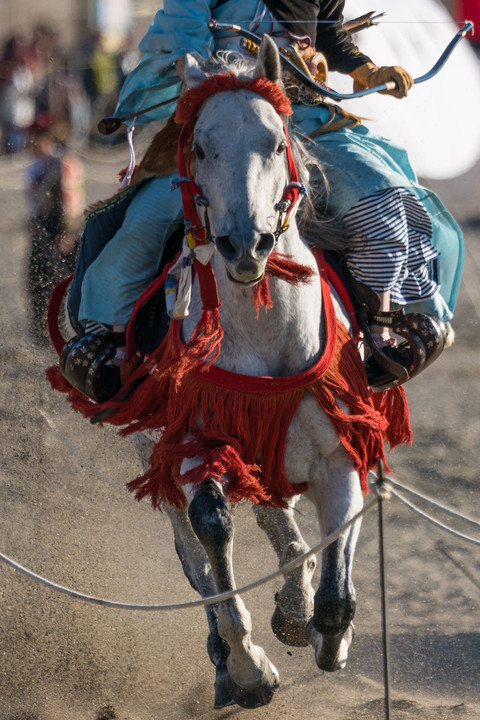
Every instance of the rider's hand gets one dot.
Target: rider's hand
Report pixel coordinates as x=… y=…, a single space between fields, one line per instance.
x=369 y=75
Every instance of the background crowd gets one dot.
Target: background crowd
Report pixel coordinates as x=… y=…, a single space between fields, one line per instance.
x=38 y=76
x=50 y=103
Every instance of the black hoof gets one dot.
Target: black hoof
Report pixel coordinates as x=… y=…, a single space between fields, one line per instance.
x=331 y=653
x=289 y=629
x=257 y=696
x=223 y=696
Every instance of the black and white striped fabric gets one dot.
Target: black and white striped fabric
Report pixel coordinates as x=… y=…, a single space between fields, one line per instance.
x=391 y=246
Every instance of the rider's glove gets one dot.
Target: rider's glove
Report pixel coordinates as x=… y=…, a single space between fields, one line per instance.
x=369 y=75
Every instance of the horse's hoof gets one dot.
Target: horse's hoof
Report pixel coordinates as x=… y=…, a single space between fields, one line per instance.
x=289 y=629
x=251 y=697
x=223 y=697
x=331 y=651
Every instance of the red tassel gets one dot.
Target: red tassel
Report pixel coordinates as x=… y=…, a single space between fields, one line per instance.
x=285 y=268
x=392 y=405
x=202 y=348
x=261 y=296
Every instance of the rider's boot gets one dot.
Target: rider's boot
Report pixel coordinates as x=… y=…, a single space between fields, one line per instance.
x=387 y=363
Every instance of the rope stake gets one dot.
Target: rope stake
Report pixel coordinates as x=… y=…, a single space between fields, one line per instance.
x=383 y=493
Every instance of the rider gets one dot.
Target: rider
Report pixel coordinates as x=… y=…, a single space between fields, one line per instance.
x=399 y=229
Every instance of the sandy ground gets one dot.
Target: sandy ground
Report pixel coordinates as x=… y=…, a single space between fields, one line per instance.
x=66 y=515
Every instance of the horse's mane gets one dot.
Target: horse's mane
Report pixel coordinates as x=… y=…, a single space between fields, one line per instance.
x=317 y=227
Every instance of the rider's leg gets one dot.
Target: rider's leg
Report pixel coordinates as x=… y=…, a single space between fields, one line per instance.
x=113 y=283
x=391 y=257
x=130 y=260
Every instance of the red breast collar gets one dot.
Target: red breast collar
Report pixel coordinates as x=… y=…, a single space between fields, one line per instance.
x=267 y=384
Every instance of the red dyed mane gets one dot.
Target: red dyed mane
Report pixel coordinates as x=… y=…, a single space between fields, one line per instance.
x=189 y=104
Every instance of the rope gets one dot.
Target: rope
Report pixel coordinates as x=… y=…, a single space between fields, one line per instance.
x=433 y=502
x=439 y=524
x=202 y=601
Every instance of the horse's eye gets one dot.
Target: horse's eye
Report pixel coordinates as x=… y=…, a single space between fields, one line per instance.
x=198 y=151
x=281 y=147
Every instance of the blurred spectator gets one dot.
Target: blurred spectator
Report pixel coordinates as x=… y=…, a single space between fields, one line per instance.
x=101 y=78
x=54 y=189
x=51 y=75
x=58 y=90
x=17 y=104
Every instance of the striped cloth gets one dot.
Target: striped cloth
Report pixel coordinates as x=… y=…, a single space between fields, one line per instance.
x=391 y=245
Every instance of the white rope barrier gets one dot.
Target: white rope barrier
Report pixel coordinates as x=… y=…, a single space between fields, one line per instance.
x=202 y=601
x=391 y=485
x=435 y=503
x=439 y=524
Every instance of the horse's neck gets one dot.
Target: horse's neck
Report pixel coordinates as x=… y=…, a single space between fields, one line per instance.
x=284 y=340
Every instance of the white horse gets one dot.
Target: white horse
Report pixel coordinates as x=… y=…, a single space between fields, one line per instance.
x=241 y=168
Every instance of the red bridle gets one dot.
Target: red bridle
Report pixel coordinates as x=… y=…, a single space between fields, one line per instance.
x=187 y=112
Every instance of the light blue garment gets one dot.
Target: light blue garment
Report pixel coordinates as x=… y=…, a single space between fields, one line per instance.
x=181 y=27
x=129 y=262
x=358 y=163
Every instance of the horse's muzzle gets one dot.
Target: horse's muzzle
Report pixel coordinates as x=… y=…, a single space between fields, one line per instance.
x=245 y=258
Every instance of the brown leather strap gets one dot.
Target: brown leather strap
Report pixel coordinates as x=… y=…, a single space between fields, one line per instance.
x=346 y=121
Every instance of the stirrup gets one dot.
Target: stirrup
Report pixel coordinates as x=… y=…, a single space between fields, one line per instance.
x=84 y=363
x=425 y=338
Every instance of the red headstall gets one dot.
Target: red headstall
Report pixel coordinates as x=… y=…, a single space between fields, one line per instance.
x=208 y=333
x=188 y=107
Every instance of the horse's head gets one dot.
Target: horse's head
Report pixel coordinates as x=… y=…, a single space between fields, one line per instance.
x=242 y=164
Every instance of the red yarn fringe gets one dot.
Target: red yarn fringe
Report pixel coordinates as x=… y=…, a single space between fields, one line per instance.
x=189 y=104
x=285 y=268
x=242 y=434
x=238 y=432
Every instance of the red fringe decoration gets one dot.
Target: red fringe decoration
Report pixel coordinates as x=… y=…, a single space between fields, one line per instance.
x=285 y=268
x=243 y=433
x=392 y=404
x=238 y=424
x=261 y=296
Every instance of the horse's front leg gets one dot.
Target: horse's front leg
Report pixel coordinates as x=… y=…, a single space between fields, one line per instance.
x=337 y=496
x=252 y=677
x=294 y=602
x=197 y=569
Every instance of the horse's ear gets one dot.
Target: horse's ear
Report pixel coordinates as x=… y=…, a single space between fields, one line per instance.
x=268 y=61
x=194 y=75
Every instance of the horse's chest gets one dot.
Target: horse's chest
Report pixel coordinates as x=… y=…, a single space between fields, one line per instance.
x=311 y=437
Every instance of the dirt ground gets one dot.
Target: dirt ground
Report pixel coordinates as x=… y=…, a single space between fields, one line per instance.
x=67 y=516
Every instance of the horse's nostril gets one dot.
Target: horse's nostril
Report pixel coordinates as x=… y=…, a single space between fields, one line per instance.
x=226 y=247
x=265 y=243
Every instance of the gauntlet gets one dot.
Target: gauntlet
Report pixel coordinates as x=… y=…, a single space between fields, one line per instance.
x=369 y=75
